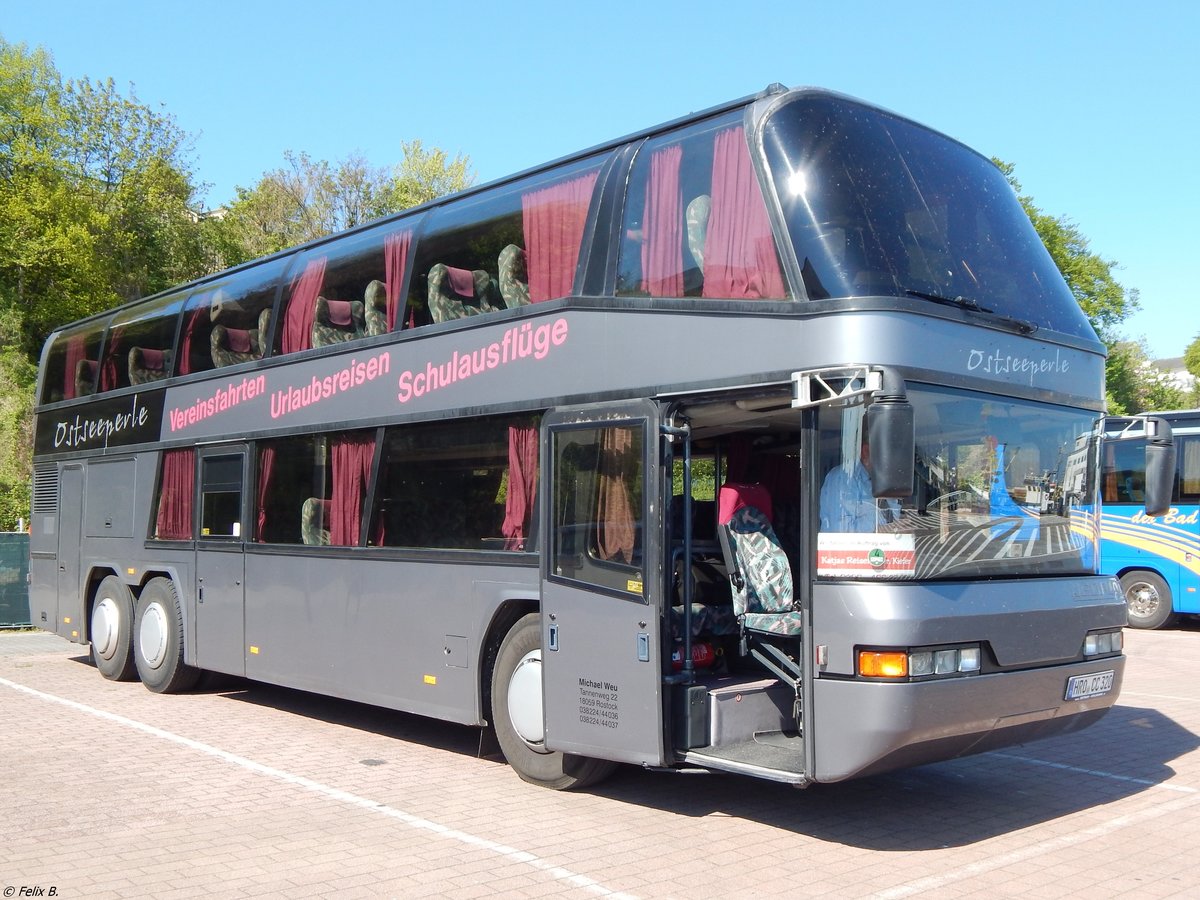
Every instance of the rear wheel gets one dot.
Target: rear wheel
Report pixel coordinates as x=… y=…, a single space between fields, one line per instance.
x=518 y=718
x=1148 y=599
x=158 y=640
x=111 y=630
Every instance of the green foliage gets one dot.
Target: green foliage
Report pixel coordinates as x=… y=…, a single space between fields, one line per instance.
x=1132 y=384
x=308 y=199
x=1191 y=358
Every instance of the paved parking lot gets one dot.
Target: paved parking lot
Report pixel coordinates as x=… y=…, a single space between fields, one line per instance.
x=244 y=790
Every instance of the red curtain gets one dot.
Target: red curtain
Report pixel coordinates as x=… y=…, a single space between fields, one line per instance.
x=662 y=226
x=553 y=220
x=298 y=320
x=522 y=484
x=395 y=258
x=739 y=252
x=352 y=457
x=194 y=320
x=266 y=466
x=175 y=496
x=76 y=353
x=110 y=371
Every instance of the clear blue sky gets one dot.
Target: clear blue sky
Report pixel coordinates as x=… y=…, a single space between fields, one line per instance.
x=1097 y=103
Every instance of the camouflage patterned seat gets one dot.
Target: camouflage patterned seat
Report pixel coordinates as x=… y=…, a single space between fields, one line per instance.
x=313 y=519
x=458 y=293
x=697 y=226
x=763 y=595
x=147 y=365
x=375 y=308
x=231 y=346
x=514 y=276
x=337 y=321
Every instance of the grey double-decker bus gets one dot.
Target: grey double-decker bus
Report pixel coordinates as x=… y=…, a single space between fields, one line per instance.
x=761 y=441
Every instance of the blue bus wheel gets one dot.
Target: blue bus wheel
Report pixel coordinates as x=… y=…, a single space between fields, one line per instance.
x=1148 y=599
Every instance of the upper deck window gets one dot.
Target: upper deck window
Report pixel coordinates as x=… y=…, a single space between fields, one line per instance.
x=877 y=205
x=695 y=223
x=506 y=247
x=227 y=322
x=140 y=343
x=73 y=363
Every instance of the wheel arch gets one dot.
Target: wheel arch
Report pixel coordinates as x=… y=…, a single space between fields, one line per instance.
x=507 y=614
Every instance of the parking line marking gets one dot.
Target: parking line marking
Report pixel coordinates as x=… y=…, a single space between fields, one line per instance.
x=558 y=873
x=1040 y=848
x=1113 y=776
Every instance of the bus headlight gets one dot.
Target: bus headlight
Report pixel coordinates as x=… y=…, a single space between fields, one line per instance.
x=1103 y=643
x=911 y=665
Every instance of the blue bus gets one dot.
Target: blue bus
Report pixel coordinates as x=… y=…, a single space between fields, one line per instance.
x=1157 y=558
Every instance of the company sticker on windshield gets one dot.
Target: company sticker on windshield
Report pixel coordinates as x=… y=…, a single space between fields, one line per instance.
x=852 y=555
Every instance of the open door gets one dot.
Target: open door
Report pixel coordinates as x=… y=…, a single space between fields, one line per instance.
x=601 y=582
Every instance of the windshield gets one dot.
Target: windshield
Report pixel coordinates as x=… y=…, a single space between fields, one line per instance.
x=1002 y=488
x=876 y=205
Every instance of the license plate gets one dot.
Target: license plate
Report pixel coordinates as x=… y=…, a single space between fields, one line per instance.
x=1081 y=687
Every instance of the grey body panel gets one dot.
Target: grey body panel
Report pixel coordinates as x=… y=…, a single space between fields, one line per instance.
x=1025 y=623
x=220 y=607
x=602 y=677
x=374 y=630
x=70 y=531
x=616 y=353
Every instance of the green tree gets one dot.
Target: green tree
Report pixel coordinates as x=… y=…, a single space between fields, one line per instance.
x=95 y=209
x=307 y=199
x=1132 y=384
x=1191 y=358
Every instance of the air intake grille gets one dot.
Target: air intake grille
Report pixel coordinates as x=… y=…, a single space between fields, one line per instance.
x=45 y=489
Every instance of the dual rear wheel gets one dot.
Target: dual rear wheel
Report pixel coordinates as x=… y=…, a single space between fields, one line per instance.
x=142 y=639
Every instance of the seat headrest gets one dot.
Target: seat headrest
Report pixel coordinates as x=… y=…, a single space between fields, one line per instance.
x=734 y=496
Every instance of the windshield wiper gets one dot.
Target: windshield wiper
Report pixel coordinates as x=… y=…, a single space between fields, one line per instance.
x=973 y=305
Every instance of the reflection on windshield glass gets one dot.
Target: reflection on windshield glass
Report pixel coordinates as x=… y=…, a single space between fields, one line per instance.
x=879 y=206
x=1002 y=487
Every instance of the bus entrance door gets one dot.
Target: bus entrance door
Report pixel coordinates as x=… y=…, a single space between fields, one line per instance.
x=601 y=532
x=220 y=563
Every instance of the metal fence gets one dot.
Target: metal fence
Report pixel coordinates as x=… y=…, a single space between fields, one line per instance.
x=14 y=579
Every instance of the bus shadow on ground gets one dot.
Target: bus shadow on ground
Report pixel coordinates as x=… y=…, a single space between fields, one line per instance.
x=948 y=804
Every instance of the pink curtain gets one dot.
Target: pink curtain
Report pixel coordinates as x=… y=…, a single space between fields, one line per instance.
x=553 y=220
x=266 y=466
x=191 y=329
x=110 y=370
x=616 y=521
x=175 y=496
x=76 y=353
x=298 y=320
x=395 y=258
x=522 y=484
x=662 y=226
x=739 y=252
x=352 y=457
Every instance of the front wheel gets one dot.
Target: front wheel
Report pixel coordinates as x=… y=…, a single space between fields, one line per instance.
x=111 y=630
x=518 y=717
x=158 y=640
x=1148 y=599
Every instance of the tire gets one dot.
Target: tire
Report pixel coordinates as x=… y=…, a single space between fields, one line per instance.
x=111 y=630
x=517 y=715
x=158 y=640
x=1148 y=599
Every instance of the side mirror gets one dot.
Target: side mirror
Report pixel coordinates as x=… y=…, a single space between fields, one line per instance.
x=1160 y=467
x=893 y=439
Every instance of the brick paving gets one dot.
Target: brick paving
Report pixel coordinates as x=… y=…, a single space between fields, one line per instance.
x=242 y=790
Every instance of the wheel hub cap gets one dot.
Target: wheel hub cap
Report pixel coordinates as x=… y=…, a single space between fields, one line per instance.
x=152 y=635
x=525 y=700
